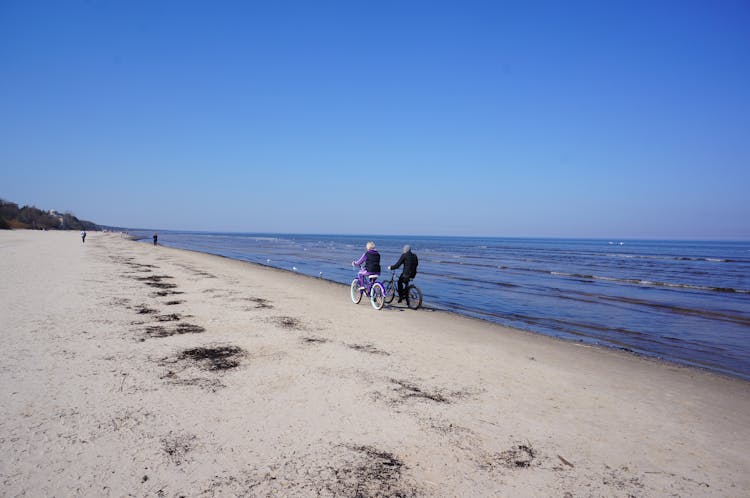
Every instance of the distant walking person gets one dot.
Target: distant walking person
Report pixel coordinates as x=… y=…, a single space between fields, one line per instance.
x=83 y=236
x=410 y=262
x=155 y=237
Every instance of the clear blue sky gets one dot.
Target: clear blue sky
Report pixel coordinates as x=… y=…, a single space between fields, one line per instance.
x=601 y=119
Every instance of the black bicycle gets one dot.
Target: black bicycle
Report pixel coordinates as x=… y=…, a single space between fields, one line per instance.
x=413 y=294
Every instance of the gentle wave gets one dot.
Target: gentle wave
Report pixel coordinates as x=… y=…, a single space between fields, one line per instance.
x=467 y=279
x=588 y=297
x=649 y=283
x=630 y=281
x=713 y=315
x=675 y=258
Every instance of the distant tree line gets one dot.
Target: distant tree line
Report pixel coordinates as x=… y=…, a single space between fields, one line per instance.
x=12 y=216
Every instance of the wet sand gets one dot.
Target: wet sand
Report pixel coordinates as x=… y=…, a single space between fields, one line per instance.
x=130 y=369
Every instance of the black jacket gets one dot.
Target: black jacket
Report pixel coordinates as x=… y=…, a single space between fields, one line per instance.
x=410 y=262
x=372 y=263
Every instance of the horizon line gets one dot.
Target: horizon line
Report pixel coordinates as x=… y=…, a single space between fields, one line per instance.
x=547 y=237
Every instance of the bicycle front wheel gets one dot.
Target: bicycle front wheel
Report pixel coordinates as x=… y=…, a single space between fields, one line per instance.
x=377 y=296
x=390 y=292
x=356 y=293
x=413 y=297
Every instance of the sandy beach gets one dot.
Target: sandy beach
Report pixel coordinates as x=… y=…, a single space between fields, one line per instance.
x=134 y=370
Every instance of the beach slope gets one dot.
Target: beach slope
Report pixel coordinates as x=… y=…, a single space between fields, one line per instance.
x=133 y=369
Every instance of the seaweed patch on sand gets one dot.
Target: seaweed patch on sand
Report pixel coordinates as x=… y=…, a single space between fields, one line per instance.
x=407 y=390
x=215 y=357
x=260 y=303
x=359 y=471
x=161 y=285
x=208 y=384
x=287 y=322
x=369 y=472
x=188 y=328
x=153 y=278
x=177 y=446
x=314 y=340
x=164 y=293
x=368 y=348
x=519 y=456
x=179 y=329
x=142 y=309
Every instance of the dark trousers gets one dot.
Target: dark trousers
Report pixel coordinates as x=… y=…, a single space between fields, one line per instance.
x=403 y=283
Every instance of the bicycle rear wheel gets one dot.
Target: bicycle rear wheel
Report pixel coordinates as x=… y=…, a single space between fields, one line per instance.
x=413 y=297
x=390 y=292
x=356 y=293
x=377 y=296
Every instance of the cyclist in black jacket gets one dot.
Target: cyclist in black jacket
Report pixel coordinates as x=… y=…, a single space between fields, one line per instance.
x=371 y=260
x=410 y=262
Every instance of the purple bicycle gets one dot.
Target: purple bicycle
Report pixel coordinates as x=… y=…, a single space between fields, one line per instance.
x=369 y=285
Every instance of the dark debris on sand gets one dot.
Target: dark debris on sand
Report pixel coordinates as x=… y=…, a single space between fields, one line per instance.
x=409 y=390
x=519 y=456
x=157 y=331
x=367 y=348
x=260 y=303
x=153 y=278
x=176 y=446
x=356 y=471
x=167 y=293
x=189 y=328
x=128 y=261
x=161 y=285
x=179 y=329
x=172 y=317
x=172 y=303
x=370 y=473
x=288 y=322
x=315 y=340
x=212 y=385
x=214 y=357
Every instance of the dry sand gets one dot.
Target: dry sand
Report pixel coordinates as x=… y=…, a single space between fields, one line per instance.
x=105 y=391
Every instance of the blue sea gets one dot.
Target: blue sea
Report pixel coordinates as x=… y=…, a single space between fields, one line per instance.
x=685 y=302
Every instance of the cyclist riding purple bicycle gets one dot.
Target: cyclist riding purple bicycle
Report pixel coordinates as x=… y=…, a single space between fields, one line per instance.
x=371 y=260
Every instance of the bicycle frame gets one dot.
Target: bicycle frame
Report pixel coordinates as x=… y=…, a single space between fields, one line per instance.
x=368 y=285
x=412 y=301
x=366 y=282
x=394 y=281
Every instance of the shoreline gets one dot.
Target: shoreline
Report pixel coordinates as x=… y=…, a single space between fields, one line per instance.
x=156 y=370
x=588 y=341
